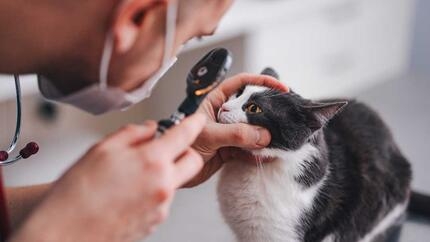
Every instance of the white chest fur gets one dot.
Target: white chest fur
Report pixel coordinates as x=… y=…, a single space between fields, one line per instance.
x=265 y=204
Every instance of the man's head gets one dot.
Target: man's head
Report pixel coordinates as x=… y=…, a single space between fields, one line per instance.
x=64 y=40
x=139 y=35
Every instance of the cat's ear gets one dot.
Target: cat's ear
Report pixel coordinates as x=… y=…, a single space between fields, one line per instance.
x=321 y=113
x=270 y=72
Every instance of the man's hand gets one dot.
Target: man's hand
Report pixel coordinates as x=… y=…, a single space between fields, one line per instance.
x=121 y=189
x=216 y=136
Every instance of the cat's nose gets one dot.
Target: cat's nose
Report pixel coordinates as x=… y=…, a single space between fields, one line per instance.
x=224 y=108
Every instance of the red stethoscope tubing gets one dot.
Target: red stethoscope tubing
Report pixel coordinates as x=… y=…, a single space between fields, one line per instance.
x=4 y=214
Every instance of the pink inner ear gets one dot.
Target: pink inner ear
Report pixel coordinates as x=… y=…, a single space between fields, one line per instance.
x=322 y=113
x=327 y=110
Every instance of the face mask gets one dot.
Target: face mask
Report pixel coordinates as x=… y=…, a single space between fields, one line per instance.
x=100 y=98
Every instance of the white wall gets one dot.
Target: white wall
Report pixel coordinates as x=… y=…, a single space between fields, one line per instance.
x=421 y=44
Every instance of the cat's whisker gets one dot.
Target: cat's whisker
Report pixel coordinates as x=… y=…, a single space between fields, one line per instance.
x=260 y=167
x=259 y=170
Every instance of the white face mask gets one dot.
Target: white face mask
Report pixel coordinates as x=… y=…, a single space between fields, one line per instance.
x=100 y=98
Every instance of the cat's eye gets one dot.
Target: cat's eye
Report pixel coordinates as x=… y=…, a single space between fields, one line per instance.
x=253 y=108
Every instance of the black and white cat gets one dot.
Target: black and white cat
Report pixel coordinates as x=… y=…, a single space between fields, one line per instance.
x=337 y=173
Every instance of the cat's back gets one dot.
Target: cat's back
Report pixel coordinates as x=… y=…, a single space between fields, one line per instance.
x=365 y=139
x=368 y=163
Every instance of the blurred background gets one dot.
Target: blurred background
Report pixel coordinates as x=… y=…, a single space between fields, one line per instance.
x=377 y=51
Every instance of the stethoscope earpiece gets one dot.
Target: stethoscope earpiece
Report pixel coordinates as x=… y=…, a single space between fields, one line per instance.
x=31 y=148
x=4 y=155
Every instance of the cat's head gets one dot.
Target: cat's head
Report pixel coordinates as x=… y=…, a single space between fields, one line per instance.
x=291 y=119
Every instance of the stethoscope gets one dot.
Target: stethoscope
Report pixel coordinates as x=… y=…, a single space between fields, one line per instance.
x=31 y=148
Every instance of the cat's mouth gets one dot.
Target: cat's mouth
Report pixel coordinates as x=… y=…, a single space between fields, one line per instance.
x=224 y=118
x=231 y=117
x=251 y=156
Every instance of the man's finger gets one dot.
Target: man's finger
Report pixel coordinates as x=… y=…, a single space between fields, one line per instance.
x=232 y=153
x=208 y=170
x=239 y=135
x=179 y=138
x=133 y=133
x=232 y=85
x=187 y=167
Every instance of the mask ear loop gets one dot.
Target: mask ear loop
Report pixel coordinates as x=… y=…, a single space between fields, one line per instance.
x=172 y=16
x=105 y=61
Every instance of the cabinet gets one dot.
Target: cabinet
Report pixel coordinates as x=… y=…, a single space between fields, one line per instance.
x=337 y=48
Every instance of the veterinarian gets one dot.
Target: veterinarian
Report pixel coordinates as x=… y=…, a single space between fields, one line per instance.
x=122 y=188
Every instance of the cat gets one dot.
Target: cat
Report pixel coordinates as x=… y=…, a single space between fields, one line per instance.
x=336 y=172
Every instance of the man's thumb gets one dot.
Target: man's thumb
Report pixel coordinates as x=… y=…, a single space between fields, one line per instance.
x=242 y=136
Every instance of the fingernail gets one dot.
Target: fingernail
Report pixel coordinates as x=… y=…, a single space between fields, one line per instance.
x=263 y=137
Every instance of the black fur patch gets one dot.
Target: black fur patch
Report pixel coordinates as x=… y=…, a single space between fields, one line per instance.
x=314 y=170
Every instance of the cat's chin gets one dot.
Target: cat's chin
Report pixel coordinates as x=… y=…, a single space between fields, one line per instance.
x=263 y=160
x=265 y=155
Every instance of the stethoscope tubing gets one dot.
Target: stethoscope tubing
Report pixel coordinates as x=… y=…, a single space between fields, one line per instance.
x=15 y=138
x=17 y=133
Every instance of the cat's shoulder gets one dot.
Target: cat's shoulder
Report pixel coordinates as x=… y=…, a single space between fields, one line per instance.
x=360 y=124
x=357 y=112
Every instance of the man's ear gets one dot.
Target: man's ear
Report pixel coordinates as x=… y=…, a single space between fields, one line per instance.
x=128 y=19
x=321 y=113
